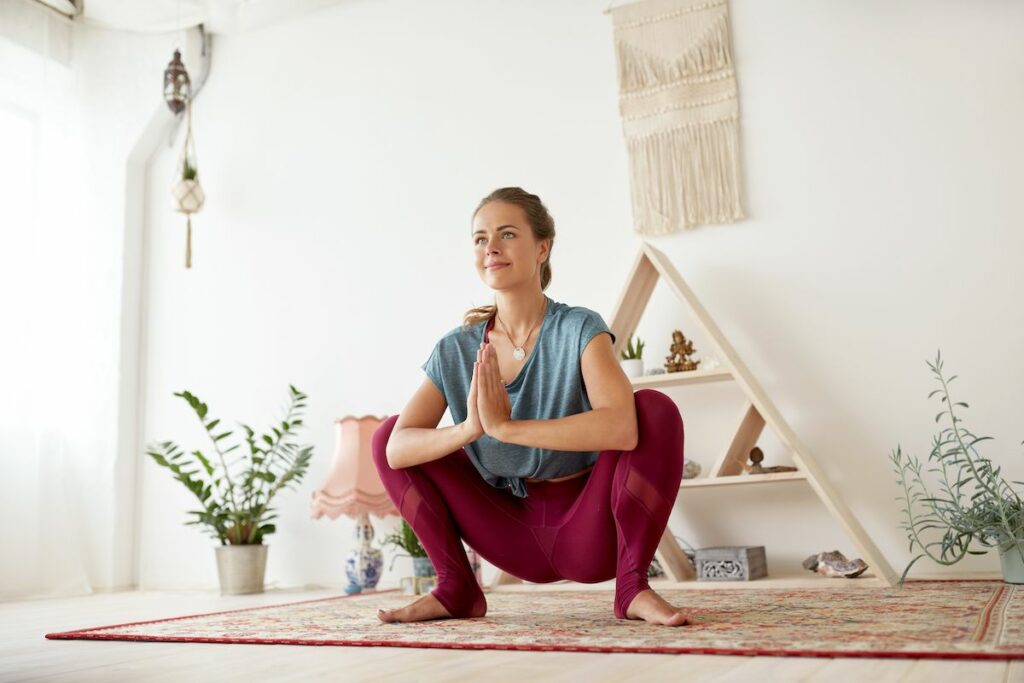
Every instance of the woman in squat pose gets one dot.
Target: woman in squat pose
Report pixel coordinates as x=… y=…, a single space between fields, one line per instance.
x=554 y=468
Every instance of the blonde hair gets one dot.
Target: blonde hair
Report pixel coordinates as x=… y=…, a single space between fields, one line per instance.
x=543 y=227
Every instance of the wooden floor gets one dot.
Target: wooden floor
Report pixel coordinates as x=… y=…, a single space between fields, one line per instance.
x=25 y=655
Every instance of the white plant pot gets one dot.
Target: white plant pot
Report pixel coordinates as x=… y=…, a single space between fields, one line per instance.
x=188 y=196
x=633 y=367
x=241 y=568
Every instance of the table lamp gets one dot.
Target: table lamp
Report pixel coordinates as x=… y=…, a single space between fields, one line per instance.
x=353 y=488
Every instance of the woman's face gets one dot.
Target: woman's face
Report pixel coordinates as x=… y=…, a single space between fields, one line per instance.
x=501 y=235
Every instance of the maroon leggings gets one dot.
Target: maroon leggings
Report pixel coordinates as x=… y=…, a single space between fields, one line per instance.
x=606 y=523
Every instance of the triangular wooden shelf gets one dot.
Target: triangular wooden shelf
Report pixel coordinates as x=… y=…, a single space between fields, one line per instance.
x=650 y=265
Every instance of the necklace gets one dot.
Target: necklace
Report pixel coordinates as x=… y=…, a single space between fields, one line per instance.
x=518 y=352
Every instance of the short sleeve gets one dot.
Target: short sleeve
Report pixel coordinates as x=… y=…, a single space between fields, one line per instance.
x=593 y=324
x=432 y=367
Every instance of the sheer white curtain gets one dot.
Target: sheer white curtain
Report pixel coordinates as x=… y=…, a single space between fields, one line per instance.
x=59 y=312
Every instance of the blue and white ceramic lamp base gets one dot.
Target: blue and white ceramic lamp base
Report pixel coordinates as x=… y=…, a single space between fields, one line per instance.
x=364 y=563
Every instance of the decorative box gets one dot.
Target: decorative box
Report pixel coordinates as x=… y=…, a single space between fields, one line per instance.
x=731 y=563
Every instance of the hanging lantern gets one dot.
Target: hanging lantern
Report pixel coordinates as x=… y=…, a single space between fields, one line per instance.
x=177 y=86
x=186 y=191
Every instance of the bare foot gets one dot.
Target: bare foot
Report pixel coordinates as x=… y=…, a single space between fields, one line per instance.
x=651 y=607
x=427 y=607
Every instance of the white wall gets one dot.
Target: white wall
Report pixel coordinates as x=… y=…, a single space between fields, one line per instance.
x=343 y=152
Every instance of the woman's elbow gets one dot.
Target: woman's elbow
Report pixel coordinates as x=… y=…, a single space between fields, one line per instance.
x=391 y=457
x=631 y=436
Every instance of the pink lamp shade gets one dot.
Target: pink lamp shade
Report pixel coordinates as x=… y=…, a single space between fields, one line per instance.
x=353 y=486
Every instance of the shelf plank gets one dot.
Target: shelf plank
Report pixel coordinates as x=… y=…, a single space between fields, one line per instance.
x=732 y=461
x=679 y=378
x=673 y=560
x=732 y=480
x=633 y=300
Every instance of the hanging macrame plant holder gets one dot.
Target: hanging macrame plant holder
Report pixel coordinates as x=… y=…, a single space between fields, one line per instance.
x=187 y=193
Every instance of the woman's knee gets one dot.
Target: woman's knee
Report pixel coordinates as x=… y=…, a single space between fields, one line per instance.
x=380 y=441
x=656 y=408
x=661 y=429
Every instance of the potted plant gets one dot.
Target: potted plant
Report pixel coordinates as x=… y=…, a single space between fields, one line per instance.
x=187 y=192
x=632 y=358
x=974 y=503
x=236 y=492
x=405 y=538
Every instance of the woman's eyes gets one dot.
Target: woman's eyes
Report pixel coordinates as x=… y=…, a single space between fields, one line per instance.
x=502 y=234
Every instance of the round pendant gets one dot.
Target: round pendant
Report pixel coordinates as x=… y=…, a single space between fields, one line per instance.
x=518 y=353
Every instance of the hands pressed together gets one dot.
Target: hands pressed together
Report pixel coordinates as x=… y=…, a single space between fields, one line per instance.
x=488 y=407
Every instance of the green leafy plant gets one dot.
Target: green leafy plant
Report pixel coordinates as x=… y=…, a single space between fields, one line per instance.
x=974 y=502
x=189 y=172
x=631 y=351
x=405 y=538
x=237 y=490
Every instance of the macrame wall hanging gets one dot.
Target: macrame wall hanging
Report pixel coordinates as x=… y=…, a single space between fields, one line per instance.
x=187 y=193
x=680 y=112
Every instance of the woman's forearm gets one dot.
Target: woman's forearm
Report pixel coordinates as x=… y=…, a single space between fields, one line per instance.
x=415 y=445
x=594 y=430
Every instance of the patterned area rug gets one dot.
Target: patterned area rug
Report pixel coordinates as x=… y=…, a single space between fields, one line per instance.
x=928 y=619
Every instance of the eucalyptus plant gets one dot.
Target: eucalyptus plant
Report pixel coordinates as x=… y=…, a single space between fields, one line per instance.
x=631 y=351
x=973 y=503
x=236 y=491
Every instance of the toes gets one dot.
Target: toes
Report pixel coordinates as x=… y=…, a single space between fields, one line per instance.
x=678 y=619
x=390 y=615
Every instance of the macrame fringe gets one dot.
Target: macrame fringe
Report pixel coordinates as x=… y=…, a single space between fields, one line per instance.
x=639 y=68
x=689 y=173
x=188 y=243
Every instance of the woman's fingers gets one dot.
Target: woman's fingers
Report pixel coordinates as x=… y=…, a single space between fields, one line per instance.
x=492 y=374
x=482 y=369
x=475 y=381
x=489 y=378
x=489 y=361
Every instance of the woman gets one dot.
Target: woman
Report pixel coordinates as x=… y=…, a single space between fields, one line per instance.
x=554 y=469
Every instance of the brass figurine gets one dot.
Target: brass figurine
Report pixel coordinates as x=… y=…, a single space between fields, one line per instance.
x=682 y=349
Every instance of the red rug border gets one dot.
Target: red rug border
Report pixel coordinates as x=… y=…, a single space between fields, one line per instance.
x=84 y=634
x=909 y=654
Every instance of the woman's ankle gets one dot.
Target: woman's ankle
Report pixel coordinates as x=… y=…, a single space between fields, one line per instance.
x=462 y=603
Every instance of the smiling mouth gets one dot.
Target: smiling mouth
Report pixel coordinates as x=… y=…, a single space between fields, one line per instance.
x=496 y=266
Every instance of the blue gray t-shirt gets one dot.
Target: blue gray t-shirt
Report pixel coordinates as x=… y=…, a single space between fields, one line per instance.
x=549 y=386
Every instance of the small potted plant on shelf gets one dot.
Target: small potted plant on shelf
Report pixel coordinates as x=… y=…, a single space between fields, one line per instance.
x=237 y=490
x=405 y=538
x=973 y=503
x=632 y=358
